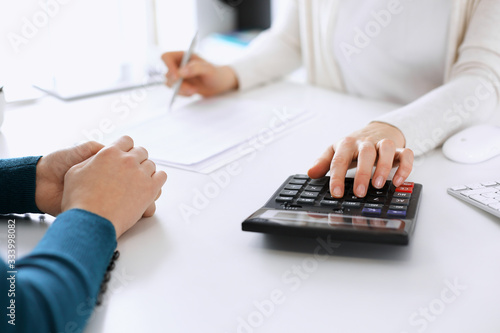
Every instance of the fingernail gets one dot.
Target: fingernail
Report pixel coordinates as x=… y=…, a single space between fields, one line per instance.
x=398 y=181
x=184 y=71
x=379 y=181
x=337 y=192
x=361 y=190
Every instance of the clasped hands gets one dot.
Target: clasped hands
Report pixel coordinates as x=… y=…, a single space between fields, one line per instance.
x=117 y=182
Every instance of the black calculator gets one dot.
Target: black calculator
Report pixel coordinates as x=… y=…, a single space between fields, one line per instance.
x=304 y=207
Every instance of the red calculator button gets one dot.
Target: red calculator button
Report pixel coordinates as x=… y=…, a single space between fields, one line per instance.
x=408 y=184
x=404 y=189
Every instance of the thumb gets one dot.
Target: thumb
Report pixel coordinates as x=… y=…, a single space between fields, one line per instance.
x=83 y=151
x=322 y=165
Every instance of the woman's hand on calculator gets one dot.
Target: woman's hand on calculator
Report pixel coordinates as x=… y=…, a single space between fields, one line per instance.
x=378 y=144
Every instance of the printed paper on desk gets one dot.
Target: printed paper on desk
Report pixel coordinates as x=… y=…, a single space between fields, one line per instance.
x=207 y=134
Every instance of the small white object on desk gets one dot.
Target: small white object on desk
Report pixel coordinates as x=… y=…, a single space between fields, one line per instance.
x=475 y=144
x=484 y=195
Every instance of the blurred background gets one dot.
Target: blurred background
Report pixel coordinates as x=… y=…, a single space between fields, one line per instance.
x=99 y=42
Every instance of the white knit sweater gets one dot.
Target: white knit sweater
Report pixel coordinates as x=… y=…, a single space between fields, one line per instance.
x=303 y=35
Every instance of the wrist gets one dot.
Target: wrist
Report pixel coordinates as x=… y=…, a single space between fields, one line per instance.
x=391 y=131
x=228 y=75
x=41 y=172
x=92 y=209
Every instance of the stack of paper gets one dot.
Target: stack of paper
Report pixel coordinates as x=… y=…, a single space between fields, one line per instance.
x=210 y=133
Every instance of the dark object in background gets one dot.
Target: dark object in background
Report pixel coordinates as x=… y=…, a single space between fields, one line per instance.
x=251 y=14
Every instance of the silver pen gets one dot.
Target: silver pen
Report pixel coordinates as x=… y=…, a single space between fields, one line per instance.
x=184 y=61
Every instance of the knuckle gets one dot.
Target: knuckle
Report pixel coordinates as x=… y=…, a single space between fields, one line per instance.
x=369 y=138
x=339 y=160
x=128 y=160
x=110 y=152
x=406 y=157
x=93 y=143
x=367 y=147
x=128 y=138
x=363 y=174
x=348 y=141
x=387 y=144
x=384 y=168
x=408 y=167
x=405 y=169
x=409 y=153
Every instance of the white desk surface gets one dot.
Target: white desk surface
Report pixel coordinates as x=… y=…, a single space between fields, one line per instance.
x=206 y=275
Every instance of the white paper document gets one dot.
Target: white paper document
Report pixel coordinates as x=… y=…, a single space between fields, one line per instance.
x=210 y=133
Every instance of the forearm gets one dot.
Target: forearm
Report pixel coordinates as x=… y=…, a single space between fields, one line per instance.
x=428 y=121
x=57 y=284
x=273 y=54
x=17 y=185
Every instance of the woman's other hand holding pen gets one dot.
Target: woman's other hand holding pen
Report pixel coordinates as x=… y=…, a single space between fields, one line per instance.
x=200 y=76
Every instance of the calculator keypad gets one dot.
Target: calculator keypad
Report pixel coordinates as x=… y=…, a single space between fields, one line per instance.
x=301 y=192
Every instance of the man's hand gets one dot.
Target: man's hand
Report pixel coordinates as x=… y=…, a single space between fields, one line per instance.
x=378 y=144
x=119 y=183
x=200 y=76
x=50 y=172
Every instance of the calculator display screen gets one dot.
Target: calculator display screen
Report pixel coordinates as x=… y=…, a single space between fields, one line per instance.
x=298 y=218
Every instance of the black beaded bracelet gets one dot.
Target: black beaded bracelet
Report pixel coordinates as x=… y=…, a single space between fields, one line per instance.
x=107 y=277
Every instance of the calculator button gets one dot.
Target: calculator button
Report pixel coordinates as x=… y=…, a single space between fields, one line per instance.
x=401 y=195
x=352 y=198
x=305 y=201
x=352 y=204
x=408 y=184
x=298 y=181
x=288 y=193
x=377 y=193
x=404 y=189
x=328 y=196
x=319 y=182
x=314 y=188
x=284 y=199
x=301 y=177
x=396 y=213
x=397 y=207
x=371 y=199
x=293 y=187
x=371 y=211
x=373 y=205
x=330 y=203
x=399 y=202
x=307 y=194
x=384 y=188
